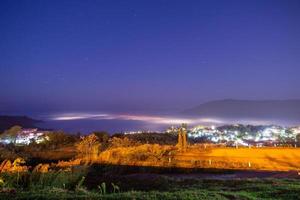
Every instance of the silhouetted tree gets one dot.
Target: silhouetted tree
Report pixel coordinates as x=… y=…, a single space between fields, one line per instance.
x=13 y=133
x=58 y=139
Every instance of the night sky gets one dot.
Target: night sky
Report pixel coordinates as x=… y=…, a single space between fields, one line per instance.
x=146 y=55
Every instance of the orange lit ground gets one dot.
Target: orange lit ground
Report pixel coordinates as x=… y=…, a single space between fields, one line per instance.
x=273 y=159
x=277 y=159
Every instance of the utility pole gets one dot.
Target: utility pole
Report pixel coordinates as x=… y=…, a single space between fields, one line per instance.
x=182 y=138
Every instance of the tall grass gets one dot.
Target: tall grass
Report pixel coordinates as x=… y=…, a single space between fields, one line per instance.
x=38 y=180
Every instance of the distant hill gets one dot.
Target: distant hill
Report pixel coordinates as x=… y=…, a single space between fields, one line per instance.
x=8 y=121
x=230 y=108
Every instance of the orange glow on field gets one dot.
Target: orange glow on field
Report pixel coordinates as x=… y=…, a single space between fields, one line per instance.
x=273 y=159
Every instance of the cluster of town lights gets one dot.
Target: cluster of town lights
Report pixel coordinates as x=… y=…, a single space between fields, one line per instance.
x=271 y=135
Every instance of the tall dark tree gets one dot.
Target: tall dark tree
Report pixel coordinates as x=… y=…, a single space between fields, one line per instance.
x=13 y=133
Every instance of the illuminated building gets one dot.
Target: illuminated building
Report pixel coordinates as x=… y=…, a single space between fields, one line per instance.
x=25 y=137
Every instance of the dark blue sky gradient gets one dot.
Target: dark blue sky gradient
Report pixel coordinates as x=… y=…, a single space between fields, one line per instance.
x=146 y=55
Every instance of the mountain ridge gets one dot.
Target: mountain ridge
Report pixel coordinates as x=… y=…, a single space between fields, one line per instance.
x=235 y=108
x=7 y=121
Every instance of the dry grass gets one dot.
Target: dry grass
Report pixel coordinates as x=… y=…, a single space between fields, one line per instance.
x=279 y=159
x=267 y=158
x=64 y=153
x=275 y=159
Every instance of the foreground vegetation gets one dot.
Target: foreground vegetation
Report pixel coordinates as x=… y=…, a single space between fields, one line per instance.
x=96 y=181
x=146 y=166
x=64 y=185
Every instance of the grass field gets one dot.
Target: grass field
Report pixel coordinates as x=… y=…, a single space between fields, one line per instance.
x=198 y=173
x=266 y=158
x=133 y=182
x=275 y=159
x=179 y=189
x=243 y=158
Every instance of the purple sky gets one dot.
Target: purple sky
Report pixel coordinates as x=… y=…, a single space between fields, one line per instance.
x=146 y=55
